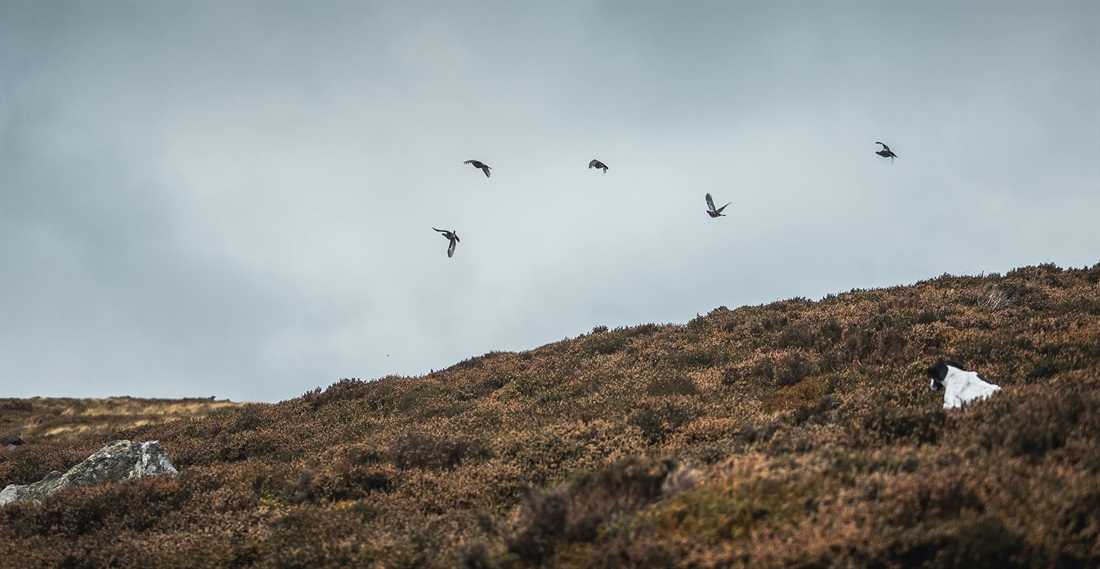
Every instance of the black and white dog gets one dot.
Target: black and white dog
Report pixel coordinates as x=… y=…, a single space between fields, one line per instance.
x=960 y=386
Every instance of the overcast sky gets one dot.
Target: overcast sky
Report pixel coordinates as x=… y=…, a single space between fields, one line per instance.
x=237 y=199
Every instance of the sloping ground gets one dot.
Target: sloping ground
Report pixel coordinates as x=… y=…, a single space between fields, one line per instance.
x=796 y=434
x=67 y=430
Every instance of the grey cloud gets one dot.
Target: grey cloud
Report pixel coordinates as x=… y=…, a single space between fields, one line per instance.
x=237 y=199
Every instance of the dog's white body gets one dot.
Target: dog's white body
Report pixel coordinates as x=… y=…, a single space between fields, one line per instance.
x=962 y=387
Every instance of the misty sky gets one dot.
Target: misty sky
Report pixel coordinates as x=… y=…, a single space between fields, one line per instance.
x=237 y=199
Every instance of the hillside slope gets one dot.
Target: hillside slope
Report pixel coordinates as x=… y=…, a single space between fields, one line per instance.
x=796 y=434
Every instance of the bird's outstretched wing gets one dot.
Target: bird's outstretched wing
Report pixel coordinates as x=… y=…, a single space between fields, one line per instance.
x=710 y=203
x=440 y=230
x=451 y=247
x=884 y=147
x=479 y=164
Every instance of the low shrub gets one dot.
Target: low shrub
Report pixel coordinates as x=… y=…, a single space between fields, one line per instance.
x=433 y=451
x=574 y=512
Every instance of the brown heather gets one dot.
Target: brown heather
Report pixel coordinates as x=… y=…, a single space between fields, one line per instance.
x=796 y=434
x=64 y=431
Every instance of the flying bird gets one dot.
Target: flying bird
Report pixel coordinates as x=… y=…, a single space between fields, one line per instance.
x=710 y=208
x=453 y=237
x=479 y=164
x=598 y=164
x=886 y=152
x=11 y=441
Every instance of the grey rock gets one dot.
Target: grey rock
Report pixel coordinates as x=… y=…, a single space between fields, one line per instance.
x=118 y=461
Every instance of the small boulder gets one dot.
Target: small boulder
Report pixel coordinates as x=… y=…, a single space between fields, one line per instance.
x=118 y=461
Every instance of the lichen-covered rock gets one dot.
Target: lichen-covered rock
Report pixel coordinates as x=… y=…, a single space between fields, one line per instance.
x=118 y=461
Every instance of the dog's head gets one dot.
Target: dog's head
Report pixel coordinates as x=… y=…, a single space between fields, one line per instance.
x=939 y=372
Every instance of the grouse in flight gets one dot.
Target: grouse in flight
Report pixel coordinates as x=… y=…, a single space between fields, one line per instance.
x=886 y=152
x=711 y=211
x=453 y=237
x=10 y=441
x=479 y=164
x=598 y=164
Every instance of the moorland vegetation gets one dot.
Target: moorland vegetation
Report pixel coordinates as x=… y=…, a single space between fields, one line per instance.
x=792 y=434
x=62 y=428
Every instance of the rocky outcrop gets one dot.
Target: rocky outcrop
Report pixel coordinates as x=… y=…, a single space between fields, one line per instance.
x=118 y=461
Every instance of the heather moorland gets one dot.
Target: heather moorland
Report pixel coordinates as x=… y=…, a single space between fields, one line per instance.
x=792 y=434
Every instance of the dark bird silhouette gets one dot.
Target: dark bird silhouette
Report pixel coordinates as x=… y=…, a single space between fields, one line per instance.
x=598 y=164
x=453 y=237
x=886 y=152
x=710 y=208
x=11 y=441
x=479 y=164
